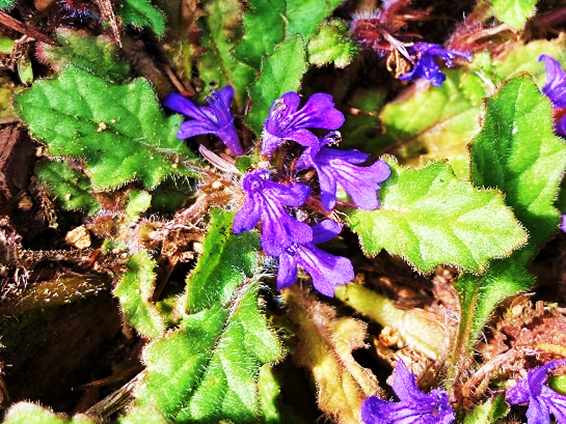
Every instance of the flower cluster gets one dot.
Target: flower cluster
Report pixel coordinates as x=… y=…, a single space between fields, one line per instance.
x=282 y=235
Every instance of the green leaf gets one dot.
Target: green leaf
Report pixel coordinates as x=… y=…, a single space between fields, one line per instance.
x=141 y=13
x=488 y=412
x=31 y=413
x=269 y=390
x=514 y=12
x=437 y=122
x=135 y=290
x=221 y=31
x=264 y=29
x=6 y=44
x=207 y=370
x=332 y=45
x=119 y=130
x=518 y=153
x=139 y=202
x=304 y=16
x=225 y=261
x=280 y=72
x=431 y=218
x=70 y=187
x=7 y=4
x=95 y=54
x=142 y=416
x=524 y=58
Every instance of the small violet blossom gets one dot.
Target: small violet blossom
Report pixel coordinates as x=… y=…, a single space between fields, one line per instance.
x=215 y=119
x=555 y=89
x=415 y=407
x=542 y=400
x=327 y=271
x=287 y=122
x=336 y=166
x=265 y=201
x=426 y=66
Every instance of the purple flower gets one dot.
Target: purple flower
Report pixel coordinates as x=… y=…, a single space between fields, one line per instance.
x=555 y=89
x=285 y=122
x=327 y=271
x=542 y=400
x=426 y=66
x=335 y=166
x=265 y=201
x=563 y=223
x=215 y=119
x=415 y=407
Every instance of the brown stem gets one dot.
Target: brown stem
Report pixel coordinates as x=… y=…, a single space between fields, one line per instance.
x=23 y=28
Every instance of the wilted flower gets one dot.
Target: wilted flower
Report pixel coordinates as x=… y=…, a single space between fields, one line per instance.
x=327 y=271
x=542 y=400
x=336 y=166
x=286 y=122
x=426 y=66
x=415 y=407
x=265 y=201
x=215 y=119
x=555 y=89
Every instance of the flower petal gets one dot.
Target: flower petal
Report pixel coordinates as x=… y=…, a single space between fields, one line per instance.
x=247 y=217
x=327 y=271
x=325 y=231
x=185 y=106
x=287 y=272
x=230 y=138
x=290 y=195
x=555 y=87
x=193 y=128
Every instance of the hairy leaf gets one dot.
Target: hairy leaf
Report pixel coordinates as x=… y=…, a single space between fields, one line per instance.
x=31 y=413
x=264 y=29
x=7 y=4
x=304 y=16
x=119 y=130
x=139 y=202
x=225 y=261
x=518 y=153
x=332 y=45
x=95 y=54
x=437 y=122
x=325 y=347
x=70 y=187
x=431 y=218
x=218 y=67
x=488 y=412
x=514 y=12
x=207 y=370
x=141 y=13
x=134 y=290
x=143 y=416
x=280 y=72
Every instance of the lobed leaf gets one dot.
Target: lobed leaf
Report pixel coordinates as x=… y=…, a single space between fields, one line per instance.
x=281 y=72
x=95 y=54
x=431 y=218
x=135 y=291
x=518 y=153
x=141 y=13
x=207 y=370
x=514 y=12
x=119 y=130
x=325 y=348
x=70 y=187
x=332 y=45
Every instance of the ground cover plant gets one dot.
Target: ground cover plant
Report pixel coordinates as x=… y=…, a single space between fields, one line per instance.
x=253 y=211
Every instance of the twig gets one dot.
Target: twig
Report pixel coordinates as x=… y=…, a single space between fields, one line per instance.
x=23 y=28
